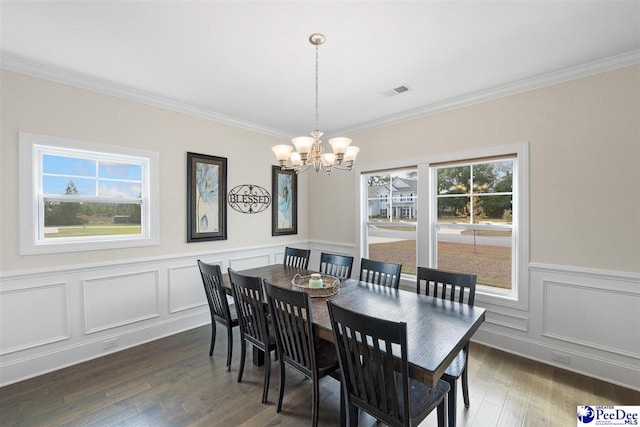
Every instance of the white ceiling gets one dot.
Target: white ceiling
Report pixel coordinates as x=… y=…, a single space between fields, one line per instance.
x=250 y=63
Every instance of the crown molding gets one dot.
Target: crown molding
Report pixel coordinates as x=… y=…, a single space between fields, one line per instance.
x=65 y=76
x=548 y=79
x=23 y=65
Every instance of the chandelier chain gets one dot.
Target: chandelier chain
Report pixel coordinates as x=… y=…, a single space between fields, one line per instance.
x=317 y=88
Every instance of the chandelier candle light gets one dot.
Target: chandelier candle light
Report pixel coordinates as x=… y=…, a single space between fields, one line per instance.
x=309 y=151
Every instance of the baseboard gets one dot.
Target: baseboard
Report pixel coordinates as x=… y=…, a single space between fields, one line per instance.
x=606 y=370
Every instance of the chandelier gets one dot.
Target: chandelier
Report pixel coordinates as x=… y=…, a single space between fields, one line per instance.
x=309 y=151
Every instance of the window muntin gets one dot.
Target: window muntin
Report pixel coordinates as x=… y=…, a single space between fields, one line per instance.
x=473 y=228
x=85 y=196
x=392 y=213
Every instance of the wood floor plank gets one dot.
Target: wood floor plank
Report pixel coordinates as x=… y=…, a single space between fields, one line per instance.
x=173 y=382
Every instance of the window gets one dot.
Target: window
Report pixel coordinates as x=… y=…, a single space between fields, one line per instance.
x=473 y=220
x=78 y=196
x=392 y=216
x=468 y=212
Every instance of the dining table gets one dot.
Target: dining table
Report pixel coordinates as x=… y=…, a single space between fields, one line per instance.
x=437 y=329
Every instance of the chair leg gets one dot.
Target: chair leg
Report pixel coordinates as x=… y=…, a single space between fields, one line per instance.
x=243 y=355
x=315 y=400
x=267 y=375
x=213 y=337
x=280 y=387
x=353 y=416
x=343 y=408
x=442 y=413
x=465 y=387
x=451 y=398
x=229 y=346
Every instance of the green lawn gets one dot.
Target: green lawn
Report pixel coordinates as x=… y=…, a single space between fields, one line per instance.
x=92 y=230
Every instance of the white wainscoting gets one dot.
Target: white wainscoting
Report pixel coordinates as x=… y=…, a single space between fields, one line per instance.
x=42 y=311
x=589 y=319
x=582 y=320
x=136 y=296
x=60 y=317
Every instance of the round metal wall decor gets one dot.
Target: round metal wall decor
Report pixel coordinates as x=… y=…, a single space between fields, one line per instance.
x=249 y=199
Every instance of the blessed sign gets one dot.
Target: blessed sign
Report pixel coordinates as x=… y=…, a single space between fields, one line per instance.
x=249 y=199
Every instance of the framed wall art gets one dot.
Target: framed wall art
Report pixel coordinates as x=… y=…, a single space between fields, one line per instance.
x=284 y=203
x=206 y=197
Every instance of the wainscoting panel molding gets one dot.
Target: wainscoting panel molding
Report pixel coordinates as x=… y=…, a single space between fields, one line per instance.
x=42 y=313
x=604 y=324
x=114 y=301
x=185 y=288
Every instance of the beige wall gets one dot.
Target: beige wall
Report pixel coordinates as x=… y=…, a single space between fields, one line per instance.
x=584 y=140
x=40 y=106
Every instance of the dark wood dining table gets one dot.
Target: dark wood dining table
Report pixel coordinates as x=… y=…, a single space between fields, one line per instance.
x=437 y=329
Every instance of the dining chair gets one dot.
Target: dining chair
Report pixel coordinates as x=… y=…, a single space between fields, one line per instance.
x=336 y=265
x=366 y=346
x=297 y=344
x=218 y=305
x=294 y=257
x=452 y=286
x=254 y=325
x=380 y=272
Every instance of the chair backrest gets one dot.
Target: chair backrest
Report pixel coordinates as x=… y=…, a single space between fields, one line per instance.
x=365 y=347
x=380 y=272
x=294 y=257
x=449 y=285
x=292 y=320
x=249 y=300
x=336 y=265
x=214 y=289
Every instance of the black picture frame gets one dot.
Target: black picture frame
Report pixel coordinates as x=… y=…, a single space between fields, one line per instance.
x=206 y=197
x=284 y=202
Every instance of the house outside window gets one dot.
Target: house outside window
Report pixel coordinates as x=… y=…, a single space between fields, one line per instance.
x=77 y=195
x=392 y=216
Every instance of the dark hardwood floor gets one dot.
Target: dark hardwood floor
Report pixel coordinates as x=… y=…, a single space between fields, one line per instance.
x=174 y=382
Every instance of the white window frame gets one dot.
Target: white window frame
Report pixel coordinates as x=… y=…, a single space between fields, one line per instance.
x=31 y=198
x=519 y=297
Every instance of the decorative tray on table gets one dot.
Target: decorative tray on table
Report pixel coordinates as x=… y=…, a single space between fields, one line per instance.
x=316 y=285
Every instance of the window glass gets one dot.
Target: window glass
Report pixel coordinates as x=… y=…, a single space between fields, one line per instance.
x=392 y=214
x=474 y=221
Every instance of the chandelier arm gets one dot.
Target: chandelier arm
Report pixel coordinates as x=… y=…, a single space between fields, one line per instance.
x=342 y=167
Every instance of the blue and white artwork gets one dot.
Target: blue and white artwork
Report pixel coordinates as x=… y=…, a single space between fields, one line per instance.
x=207 y=198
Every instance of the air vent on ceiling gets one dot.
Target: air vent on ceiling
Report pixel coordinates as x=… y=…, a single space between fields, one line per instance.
x=397 y=91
